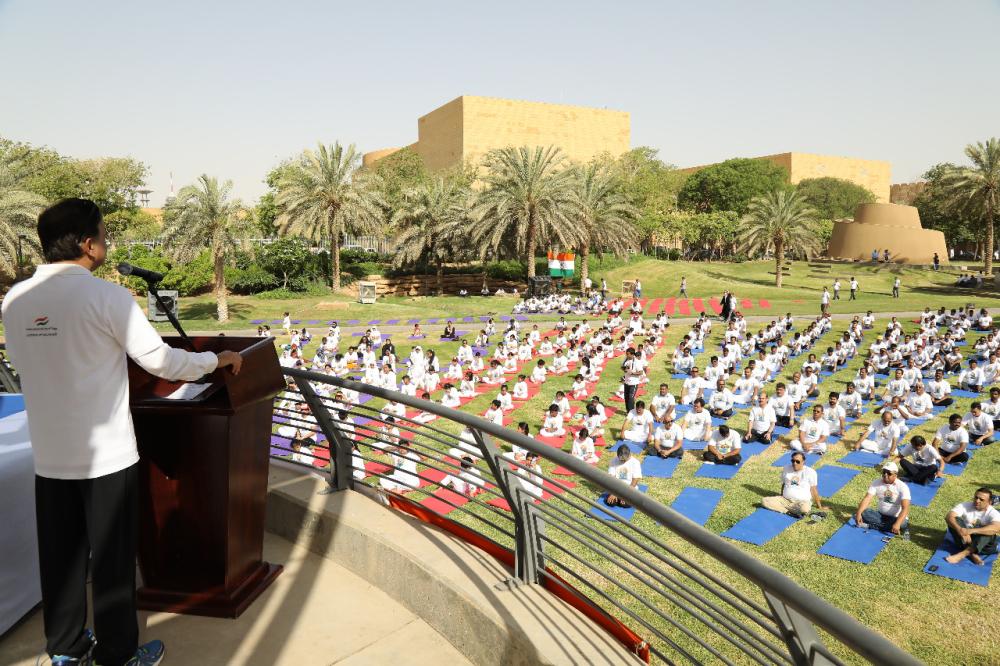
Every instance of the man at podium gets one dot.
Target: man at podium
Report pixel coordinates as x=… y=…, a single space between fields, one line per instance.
x=68 y=334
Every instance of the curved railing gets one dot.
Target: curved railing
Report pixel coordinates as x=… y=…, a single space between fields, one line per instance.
x=689 y=594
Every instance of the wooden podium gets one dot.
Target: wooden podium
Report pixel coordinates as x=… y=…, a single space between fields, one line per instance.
x=203 y=483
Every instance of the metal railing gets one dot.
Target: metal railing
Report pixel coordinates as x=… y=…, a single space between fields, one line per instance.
x=691 y=595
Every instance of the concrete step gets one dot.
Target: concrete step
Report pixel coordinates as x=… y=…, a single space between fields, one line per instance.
x=316 y=613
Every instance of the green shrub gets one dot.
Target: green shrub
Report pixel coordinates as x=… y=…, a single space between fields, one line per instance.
x=251 y=280
x=137 y=255
x=192 y=278
x=510 y=269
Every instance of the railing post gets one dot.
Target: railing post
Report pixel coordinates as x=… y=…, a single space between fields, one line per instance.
x=805 y=647
x=341 y=476
x=528 y=525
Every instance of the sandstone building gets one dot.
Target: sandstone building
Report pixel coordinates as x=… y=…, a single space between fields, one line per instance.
x=468 y=127
x=875 y=175
x=881 y=226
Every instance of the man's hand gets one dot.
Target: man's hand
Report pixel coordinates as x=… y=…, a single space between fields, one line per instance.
x=230 y=359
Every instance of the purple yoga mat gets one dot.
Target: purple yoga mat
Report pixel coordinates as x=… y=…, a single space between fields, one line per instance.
x=256 y=321
x=433 y=321
x=412 y=321
x=375 y=322
x=353 y=322
x=392 y=322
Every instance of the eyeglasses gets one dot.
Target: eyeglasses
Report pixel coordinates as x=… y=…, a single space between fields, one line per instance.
x=886 y=472
x=797 y=462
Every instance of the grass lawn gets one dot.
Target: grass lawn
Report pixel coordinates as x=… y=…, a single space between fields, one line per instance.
x=892 y=594
x=754 y=280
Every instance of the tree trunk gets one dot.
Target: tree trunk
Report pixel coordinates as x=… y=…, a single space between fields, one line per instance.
x=779 y=259
x=440 y=278
x=988 y=252
x=584 y=264
x=334 y=258
x=221 y=300
x=531 y=247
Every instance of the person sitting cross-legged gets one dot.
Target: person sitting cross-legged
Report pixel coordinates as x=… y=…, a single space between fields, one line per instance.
x=761 y=421
x=668 y=441
x=813 y=433
x=952 y=441
x=723 y=447
x=926 y=464
x=892 y=509
x=799 y=489
x=979 y=424
x=974 y=526
x=626 y=469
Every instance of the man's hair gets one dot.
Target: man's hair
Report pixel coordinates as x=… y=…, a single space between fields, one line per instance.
x=64 y=225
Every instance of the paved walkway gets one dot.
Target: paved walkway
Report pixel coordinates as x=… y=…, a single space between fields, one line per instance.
x=316 y=613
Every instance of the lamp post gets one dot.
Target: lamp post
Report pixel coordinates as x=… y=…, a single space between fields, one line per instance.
x=20 y=257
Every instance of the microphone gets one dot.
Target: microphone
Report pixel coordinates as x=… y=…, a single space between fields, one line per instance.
x=151 y=277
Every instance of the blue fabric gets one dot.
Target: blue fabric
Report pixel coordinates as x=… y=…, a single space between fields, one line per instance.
x=660 y=468
x=832 y=478
x=11 y=403
x=781 y=430
x=760 y=527
x=753 y=449
x=924 y=495
x=688 y=445
x=854 y=544
x=786 y=459
x=634 y=447
x=621 y=512
x=717 y=421
x=697 y=504
x=709 y=471
x=962 y=393
x=965 y=571
x=954 y=469
x=679 y=375
x=862 y=459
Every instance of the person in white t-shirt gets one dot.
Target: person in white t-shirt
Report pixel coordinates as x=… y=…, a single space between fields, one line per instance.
x=663 y=404
x=919 y=403
x=813 y=433
x=952 y=441
x=992 y=407
x=940 y=390
x=979 y=424
x=668 y=440
x=723 y=447
x=761 y=421
x=781 y=403
x=926 y=464
x=834 y=415
x=694 y=387
x=971 y=379
x=583 y=447
x=974 y=526
x=892 y=497
x=881 y=437
x=468 y=482
x=404 y=475
x=850 y=402
x=553 y=425
x=639 y=423
x=720 y=404
x=799 y=489
x=697 y=423
x=626 y=469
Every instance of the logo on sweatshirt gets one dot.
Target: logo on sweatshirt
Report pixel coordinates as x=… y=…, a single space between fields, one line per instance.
x=40 y=328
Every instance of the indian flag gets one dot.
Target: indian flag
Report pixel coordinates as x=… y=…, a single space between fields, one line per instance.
x=561 y=264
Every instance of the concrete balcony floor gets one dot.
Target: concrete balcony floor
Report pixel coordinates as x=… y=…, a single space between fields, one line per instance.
x=316 y=613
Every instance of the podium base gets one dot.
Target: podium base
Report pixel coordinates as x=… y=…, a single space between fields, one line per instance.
x=212 y=602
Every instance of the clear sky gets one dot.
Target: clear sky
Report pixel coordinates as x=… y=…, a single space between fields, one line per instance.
x=231 y=88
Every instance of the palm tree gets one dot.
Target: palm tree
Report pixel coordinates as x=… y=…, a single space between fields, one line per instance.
x=779 y=220
x=322 y=195
x=975 y=191
x=431 y=217
x=603 y=214
x=19 y=211
x=202 y=215
x=526 y=202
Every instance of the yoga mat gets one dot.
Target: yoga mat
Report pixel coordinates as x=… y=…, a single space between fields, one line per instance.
x=697 y=504
x=11 y=403
x=753 y=449
x=634 y=447
x=781 y=430
x=555 y=442
x=657 y=467
x=786 y=459
x=832 y=478
x=679 y=375
x=688 y=445
x=924 y=495
x=760 y=527
x=862 y=459
x=624 y=514
x=855 y=545
x=436 y=501
x=965 y=571
x=710 y=471
x=954 y=469
x=962 y=393
x=392 y=322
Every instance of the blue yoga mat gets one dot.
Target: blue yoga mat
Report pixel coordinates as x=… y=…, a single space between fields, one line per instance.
x=786 y=459
x=697 y=504
x=781 y=430
x=965 y=571
x=694 y=446
x=709 y=471
x=862 y=459
x=924 y=495
x=392 y=322
x=854 y=544
x=11 y=403
x=962 y=393
x=832 y=478
x=954 y=469
x=624 y=514
x=718 y=420
x=680 y=375
x=760 y=527
x=753 y=449
x=825 y=373
x=661 y=468
x=634 y=447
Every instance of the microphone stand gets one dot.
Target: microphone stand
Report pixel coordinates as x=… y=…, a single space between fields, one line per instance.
x=154 y=290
